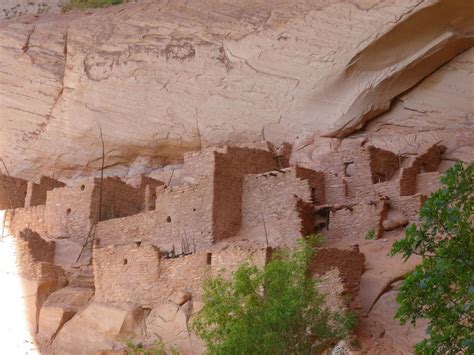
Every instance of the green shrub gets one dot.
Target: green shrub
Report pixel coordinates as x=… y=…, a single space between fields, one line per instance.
x=158 y=348
x=87 y=4
x=441 y=288
x=274 y=310
x=370 y=234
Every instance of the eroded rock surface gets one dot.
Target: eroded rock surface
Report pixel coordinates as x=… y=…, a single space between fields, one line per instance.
x=165 y=77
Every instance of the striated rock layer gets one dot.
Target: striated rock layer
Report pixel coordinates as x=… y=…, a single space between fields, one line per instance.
x=162 y=78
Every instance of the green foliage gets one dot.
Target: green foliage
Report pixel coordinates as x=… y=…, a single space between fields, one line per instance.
x=370 y=234
x=271 y=311
x=87 y=4
x=158 y=348
x=441 y=289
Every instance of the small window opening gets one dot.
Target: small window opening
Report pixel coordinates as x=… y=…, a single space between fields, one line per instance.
x=209 y=258
x=125 y=261
x=83 y=187
x=68 y=211
x=194 y=209
x=138 y=244
x=168 y=219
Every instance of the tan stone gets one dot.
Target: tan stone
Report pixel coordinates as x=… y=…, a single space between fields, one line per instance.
x=51 y=319
x=236 y=72
x=59 y=307
x=168 y=322
x=100 y=326
x=180 y=297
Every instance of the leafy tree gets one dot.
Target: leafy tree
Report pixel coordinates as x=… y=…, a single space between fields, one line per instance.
x=274 y=310
x=440 y=289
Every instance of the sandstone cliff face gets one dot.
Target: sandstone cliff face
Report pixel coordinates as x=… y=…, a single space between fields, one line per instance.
x=14 y=8
x=162 y=78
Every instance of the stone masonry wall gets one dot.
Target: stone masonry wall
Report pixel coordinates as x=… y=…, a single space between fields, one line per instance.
x=32 y=218
x=270 y=201
x=356 y=221
x=127 y=273
x=427 y=161
x=70 y=212
x=136 y=273
x=182 y=212
x=37 y=193
x=12 y=192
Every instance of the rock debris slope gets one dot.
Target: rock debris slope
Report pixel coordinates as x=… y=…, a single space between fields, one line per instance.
x=162 y=77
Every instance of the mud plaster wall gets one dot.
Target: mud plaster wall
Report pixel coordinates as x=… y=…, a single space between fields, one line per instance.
x=183 y=212
x=272 y=198
x=12 y=192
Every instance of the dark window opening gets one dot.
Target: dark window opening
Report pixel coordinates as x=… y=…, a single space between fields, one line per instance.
x=346 y=165
x=209 y=258
x=68 y=211
x=125 y=261
x=83 y=187
x=168 y=219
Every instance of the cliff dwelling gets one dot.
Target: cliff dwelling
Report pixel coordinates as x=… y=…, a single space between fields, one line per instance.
x=149 y=146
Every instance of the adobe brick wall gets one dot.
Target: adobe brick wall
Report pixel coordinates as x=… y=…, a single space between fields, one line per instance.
x=12 y=192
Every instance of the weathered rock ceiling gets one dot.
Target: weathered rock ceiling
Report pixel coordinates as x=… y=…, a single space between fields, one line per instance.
x=164 y=77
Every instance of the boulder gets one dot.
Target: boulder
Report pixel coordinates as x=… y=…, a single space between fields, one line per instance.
x=100 y=327
x=60 y=307
x=169 y=323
